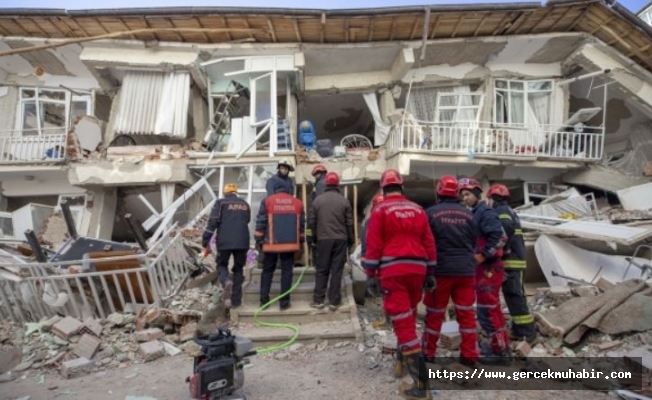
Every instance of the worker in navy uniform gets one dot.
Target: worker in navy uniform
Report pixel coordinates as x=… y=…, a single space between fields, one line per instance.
x=514 y=260
x=230 y=217
x=280 y=233
x=282 y=177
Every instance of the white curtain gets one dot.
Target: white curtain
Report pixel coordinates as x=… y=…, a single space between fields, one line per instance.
x=539 y=114
x=382 y=129
x=154 y=103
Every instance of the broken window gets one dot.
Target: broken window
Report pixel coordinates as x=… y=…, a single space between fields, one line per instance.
x=647 y=16
x=50 y=111
x=522 y=103
x=535 y=192
x=77 y=204
x=459 y=108
x=6 y=225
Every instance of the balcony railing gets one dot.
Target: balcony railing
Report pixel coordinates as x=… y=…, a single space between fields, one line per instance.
x=47 y=147
x=484 y=140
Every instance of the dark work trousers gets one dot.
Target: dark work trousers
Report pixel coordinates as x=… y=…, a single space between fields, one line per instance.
x=239 y=260
x=331 y=257
x=269 y=266
x=522 y=320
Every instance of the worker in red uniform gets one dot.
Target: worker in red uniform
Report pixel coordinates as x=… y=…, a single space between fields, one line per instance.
x=400 y=251
x=455 y=236
x=514 y=260
x=373 y=288
x=489 y=273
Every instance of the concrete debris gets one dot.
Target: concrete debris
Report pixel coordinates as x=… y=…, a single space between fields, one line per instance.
x=636 y=197
x=87 y=346
x=171 y=350
x=522 y=349
x=77 y=367
x=66 y=327
x=149 y=335
x=152 y=350
x=23 y=366
x=9 y=358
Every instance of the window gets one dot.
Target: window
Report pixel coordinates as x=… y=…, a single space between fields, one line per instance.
x=522 y=103
x=535 y=192
x=647 y=16
x=43 y=111
x=459 y=108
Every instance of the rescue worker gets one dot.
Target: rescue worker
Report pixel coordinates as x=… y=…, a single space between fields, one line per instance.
x=489 y=273
x=282 y=177
x=455 y=237
x=279 y=234
x=514 y=260
x=331 y=222
x=373 y=288
x=230 y=217
x=400 y=250
x=319 y=173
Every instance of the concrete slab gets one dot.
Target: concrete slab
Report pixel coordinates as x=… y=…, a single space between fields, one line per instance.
x=636 y=197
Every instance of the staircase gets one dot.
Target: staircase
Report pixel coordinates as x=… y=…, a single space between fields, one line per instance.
x=314 y=325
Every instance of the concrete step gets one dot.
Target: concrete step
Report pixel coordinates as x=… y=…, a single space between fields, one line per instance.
x=251 y=293
x=308 y=276
x=316 y=332
x=299 y=313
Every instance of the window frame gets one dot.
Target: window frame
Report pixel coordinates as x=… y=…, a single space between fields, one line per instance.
x=526 y=91
x=37 y=100
x=458 y=107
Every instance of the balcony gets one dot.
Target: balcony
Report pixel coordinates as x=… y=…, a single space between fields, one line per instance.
x=20 y=147
x=487 y=141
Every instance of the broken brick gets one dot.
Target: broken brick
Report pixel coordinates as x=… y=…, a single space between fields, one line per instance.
x=585 y=291
x=77 y=367
x=152 y=350
x=46 y=325
x=66 y=327
x=155 y=318
x=149 y=334
x=104 y=353
x=451 y=340
x=604 y=346
x=523 y=349
x=116 y=319
x=92 y=327
x=87 y=346
x=9 y=358
x=188 y=332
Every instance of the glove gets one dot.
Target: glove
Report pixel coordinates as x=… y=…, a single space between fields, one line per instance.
x=372 y=288
x=480 y=258
x=259 y=245
x=430 y=283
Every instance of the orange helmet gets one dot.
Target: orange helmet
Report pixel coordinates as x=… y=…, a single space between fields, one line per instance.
x=332 y=179
x=448 y=186
x=470 y=184
x=498 y=190
x=391 y=177
x=318 y=169
x=230 y=188
x=377 y=200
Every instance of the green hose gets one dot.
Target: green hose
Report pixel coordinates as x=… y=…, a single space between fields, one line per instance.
x=291 y=327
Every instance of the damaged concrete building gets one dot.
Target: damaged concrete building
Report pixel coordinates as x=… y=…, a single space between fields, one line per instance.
x=150 y=112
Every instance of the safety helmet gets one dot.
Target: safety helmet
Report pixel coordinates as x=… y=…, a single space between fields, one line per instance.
x=318 y=169
x=391 y=177
x=285 y=163
x=332 y=179
x=448 y=186
x=498 y=190
x=230 y=188
x=377 y=200
x=470 y=184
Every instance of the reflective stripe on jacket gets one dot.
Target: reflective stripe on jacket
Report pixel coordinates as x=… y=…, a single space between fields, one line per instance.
x=514 y=254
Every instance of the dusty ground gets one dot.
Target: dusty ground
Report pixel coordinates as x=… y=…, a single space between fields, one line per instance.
x=335 y=373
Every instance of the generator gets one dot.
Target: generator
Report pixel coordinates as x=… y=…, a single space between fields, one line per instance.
x=218 y=371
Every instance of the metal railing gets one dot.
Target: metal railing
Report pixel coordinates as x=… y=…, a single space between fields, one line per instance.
x=48 y=146
x=485 y=140
x=43 y=289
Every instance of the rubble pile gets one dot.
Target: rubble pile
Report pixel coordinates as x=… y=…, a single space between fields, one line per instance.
x=73 y=347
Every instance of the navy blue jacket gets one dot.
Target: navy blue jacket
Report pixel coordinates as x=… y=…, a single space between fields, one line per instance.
x=319 y=188
x=277 y=180
x=514 y=255
x=455 y=233
x=230 y=216
x=280 y=224
x=491 y=235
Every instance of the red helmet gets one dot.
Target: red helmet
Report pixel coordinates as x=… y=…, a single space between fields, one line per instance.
x=498 y=190
x=448 y=186
x=377 y=200
x=469 y=184
x=332 y=179
x=318 y=169
x=391 y=177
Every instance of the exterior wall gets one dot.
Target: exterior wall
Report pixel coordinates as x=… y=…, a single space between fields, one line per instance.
x=8 y=108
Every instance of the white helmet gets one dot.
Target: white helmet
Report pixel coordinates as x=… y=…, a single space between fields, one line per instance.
x=285 y=163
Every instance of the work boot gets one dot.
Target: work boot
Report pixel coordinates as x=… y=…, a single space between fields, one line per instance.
x=414 y=362
x=399 y=368
x=489 y=357
x=319 y=306
x=226 y=294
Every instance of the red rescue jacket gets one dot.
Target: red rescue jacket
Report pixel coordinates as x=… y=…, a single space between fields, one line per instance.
x=399 y=239
x=281 y=223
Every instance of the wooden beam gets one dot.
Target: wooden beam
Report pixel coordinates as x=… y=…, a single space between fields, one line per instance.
x=557 y=21
x=126 y=27
x=323 y=26
x=51 y=22
x=346 y=30
x=578 y=19
x=199 y=25
x=502 y=23
x=643 y=49
x=520 y=21
x=153 y=35
x=4 y=31
x=225 y=24
x=248 y=26
x=391 y=29
x=482 y=21
x=170 y=22
x=21 y=27
x=434 y=26
x=457 y=25
x=600 y=25
x=545 y=16
x=81 y=28
x=415 y=26
x=296 y=30
x=271 y=29
x=424 y=37
x=97 y=21
x=39 y=28
x=372 y=22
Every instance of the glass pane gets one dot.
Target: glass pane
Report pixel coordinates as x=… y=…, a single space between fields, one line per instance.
x=261 y=174
x=237 y=175
x=539 y=85
x=515 y=85
x=52 y=95
x=501 y=117
x=52 y=116
x=501 y=84
x=6 y=227
x=447 y=115
x=263 y=99
x=256 y=199
x=540 y=189
x=30 y=124
x=27 y=93
x=517 y=108
x=448 y=100
x=79 y=109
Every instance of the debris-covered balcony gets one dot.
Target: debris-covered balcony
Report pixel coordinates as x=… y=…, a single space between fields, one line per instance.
x=487 y=140
x=46 y=146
